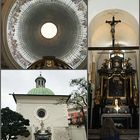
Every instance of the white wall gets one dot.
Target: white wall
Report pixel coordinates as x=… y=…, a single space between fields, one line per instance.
x=77 y=133
x=56 y=116
x=97 y=6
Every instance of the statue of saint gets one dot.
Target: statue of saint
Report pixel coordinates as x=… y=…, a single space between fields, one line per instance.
x=117 y=107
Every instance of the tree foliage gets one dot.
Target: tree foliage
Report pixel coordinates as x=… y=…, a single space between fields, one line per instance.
x=79 y=95
x=13 y=124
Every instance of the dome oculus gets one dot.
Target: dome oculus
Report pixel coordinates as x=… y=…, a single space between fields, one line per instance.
x=49 y=30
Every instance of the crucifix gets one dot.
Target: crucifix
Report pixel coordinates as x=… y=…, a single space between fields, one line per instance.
x=112 y=24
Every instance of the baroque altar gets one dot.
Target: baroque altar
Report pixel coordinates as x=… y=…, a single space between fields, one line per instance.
x=117 y=95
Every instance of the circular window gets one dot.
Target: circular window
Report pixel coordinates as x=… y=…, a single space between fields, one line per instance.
x=49 y=30
x=41 y=113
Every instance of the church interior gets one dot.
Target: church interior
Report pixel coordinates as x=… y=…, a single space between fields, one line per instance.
x=44 y=34
x=113 y=67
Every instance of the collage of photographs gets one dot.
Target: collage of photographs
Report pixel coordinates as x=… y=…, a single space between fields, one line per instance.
x=70 y=70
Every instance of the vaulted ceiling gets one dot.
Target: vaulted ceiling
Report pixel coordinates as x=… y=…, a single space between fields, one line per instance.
x=23 y=43
x=126 y=31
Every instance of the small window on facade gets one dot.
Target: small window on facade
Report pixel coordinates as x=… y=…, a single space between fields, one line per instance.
x=41 y=113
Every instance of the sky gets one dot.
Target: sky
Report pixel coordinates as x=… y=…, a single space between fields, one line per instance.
x=21 y=81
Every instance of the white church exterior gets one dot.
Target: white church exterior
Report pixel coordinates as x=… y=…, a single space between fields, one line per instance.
x=47 y=113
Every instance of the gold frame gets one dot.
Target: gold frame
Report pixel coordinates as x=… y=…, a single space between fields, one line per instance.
x=102 y=78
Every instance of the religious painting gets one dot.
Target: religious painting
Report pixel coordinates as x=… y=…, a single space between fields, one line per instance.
x=116 y=86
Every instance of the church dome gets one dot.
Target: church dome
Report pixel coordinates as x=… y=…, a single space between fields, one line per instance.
x=40 y=87
x=40 y=91
x=24 y=33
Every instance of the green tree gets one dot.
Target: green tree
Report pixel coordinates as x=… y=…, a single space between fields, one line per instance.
x=78 y=98
x=13 y=124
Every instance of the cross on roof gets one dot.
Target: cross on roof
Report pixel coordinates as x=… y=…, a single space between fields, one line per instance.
x=112 y=24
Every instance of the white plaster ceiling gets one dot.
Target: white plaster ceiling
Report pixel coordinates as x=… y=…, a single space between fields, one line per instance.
x=97 y=6
x=127 y=32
